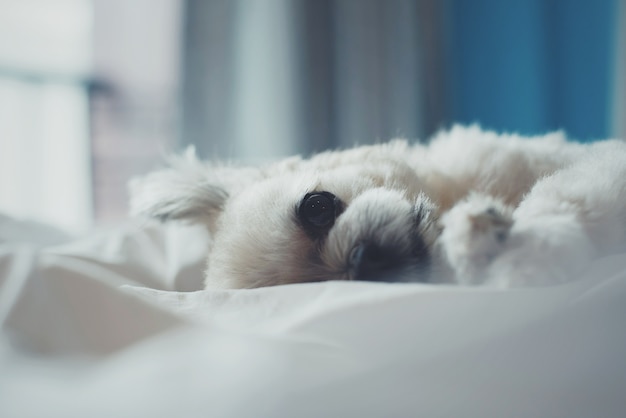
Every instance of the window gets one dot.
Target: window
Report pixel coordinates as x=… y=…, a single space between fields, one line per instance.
x=44 y=138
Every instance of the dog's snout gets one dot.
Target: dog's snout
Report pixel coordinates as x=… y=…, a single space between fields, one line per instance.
x=369 y=261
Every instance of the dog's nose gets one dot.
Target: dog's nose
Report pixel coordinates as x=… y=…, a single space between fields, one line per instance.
x=369 y=261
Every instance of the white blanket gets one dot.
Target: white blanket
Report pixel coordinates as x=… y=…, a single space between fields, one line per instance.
x=113 y=325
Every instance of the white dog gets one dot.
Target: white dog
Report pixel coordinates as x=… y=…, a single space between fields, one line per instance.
x=471 y=207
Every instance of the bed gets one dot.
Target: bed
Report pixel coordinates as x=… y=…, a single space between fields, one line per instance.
x=115 y=324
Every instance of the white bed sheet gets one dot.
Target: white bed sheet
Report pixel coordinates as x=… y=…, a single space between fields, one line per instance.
x=110 y=325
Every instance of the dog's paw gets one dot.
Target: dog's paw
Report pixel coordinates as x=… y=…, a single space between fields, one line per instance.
x=474 y=233
x=540 y=251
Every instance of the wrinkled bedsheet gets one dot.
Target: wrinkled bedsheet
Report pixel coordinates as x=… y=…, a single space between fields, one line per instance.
x=113 y=324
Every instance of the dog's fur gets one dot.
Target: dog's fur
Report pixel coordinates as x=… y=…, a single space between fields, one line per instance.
x=471 y=207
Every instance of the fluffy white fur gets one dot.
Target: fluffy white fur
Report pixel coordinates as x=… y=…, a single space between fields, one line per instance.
x=470 y=207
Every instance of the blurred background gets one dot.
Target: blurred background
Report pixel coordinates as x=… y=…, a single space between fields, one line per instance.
x=93 y=92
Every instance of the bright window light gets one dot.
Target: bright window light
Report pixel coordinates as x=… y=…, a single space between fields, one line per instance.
x=45 y=172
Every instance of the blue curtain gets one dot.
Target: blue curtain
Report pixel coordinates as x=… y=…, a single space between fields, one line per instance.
x=533 y=65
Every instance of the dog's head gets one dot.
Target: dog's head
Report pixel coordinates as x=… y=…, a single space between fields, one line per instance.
x=356 y=214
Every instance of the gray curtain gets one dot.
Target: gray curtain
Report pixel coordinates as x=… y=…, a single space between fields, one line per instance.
x=266 y=78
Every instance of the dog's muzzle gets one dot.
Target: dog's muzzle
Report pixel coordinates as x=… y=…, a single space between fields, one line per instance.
x=370 y=261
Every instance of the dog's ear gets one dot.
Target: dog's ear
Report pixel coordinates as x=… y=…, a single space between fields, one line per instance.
x=188 y=190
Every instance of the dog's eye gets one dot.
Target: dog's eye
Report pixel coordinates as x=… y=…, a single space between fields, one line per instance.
x=318 y=210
